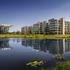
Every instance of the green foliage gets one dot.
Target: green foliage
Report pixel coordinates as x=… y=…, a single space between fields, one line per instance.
x=33 y=36
x=63 y=66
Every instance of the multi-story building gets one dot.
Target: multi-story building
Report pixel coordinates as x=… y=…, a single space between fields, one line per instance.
x=44 y=27
x=54 y=26
x=36 y=28
x=59 y=26
x=40 y=27
x=61 y=23
x=26 y=30
x=67 y=27
x=29 y=30
x=4 y=28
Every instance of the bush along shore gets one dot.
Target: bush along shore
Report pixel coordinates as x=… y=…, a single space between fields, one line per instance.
x=34 y=36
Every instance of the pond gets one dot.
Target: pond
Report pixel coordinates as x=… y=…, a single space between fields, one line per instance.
x=15 y=53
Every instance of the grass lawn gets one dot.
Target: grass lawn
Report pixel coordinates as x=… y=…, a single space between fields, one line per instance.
x=63 y=66
x=36 y=36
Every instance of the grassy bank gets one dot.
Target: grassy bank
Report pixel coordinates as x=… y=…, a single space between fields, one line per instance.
x=63 y=66
x=36 y=36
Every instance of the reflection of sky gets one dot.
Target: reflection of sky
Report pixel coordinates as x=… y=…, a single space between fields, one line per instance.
x=49 y=46
x=26 y=12
x=20 y=54
x=23 y=50
x=33 y=48
x=46 y=46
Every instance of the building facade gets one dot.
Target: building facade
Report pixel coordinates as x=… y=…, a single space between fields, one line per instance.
x=4 y=28
x=26 y=30
x=59 y=26
x=39 y=28
x=53 y=26
x=67 y=27
x=35 y=28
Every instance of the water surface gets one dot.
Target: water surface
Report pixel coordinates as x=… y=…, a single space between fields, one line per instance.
x=15 y=53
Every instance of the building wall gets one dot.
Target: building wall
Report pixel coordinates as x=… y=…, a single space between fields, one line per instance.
x=60 y=21
x=59 y=26
x=26 y=30
x=4 y=29
x=44 y=27
x=29 y=30
x=36 y=28
x=39 y=28
x=54 y=26
x=67 y=27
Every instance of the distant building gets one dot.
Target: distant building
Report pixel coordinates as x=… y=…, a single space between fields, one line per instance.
x=26 y=30
x=36 y=27
x=29 y=30
x=53 y=26
x=44 y=27
x=59 y=26
x=39 y=27
x=67 y=27
x=4 y=28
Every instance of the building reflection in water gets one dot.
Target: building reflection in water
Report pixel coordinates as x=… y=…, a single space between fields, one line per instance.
x=59 y=46
x=4 y=44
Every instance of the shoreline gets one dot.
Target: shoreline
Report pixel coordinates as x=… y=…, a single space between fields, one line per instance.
x=36 y=36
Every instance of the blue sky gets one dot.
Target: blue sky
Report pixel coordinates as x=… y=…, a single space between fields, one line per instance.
x=21 y=13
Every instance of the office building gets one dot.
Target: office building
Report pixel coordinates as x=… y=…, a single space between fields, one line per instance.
x=53 y=26
x=4 y=28
x=26 y=30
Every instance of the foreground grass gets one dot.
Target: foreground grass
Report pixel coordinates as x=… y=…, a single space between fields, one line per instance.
x=36 y=36
x=63 y=66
